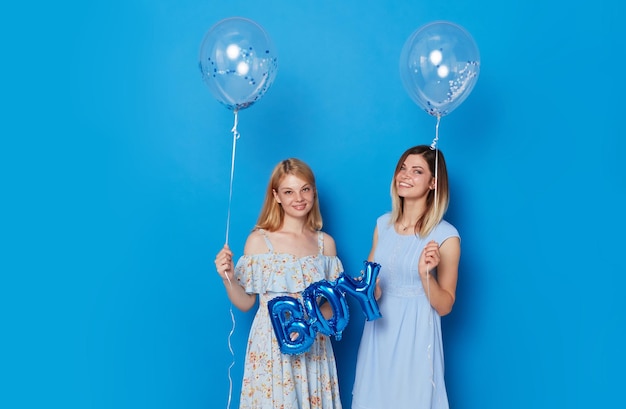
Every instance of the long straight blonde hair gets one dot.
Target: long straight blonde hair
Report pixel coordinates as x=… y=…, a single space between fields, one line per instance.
x=272 y=214
x=437 y=199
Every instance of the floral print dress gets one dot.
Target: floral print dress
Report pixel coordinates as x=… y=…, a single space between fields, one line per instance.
x=273 y=380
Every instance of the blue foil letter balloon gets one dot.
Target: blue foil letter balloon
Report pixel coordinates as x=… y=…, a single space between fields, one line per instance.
x=238 y=62
x=295 y=324
x=362 y=288
x=335 y=324
x=287 y=315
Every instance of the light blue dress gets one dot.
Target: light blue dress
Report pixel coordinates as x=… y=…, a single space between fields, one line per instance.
x=400 y=359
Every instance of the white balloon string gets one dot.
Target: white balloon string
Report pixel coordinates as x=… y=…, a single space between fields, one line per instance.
x=433 y=146
x=232 y=173
x=230 y=199
x=230 y=348
x=430 y=322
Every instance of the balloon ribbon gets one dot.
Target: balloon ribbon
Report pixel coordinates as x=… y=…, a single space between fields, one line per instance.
x=232 y=173
x=433 y=146
x=230 y=200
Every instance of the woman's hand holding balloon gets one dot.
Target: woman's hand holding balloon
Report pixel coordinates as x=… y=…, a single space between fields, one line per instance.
x=429 y=259
x=224 y=263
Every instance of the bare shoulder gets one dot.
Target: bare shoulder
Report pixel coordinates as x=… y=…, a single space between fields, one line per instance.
x=255 y=244
x=451 y=244
x=330 y=248
x=450 y=250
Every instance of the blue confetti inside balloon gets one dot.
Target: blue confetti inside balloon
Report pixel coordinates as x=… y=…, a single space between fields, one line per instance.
x=238 y=62
x=439 y=66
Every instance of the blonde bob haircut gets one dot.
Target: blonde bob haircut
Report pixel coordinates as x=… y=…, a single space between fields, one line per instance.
x=435 y=209
x=272 y=214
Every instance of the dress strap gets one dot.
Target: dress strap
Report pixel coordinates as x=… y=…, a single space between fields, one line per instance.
x=267 y=240
x=320 y=241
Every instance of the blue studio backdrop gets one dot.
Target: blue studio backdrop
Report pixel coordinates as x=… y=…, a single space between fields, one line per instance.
x=116 y=161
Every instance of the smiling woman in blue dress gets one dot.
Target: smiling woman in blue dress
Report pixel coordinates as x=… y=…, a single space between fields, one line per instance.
x=400 y=361
x=285 y=253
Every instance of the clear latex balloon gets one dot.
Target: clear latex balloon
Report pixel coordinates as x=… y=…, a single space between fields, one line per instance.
x=238 y=62
x=439 y=66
